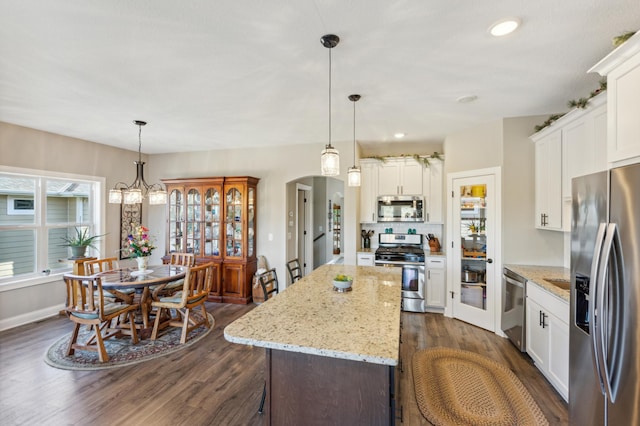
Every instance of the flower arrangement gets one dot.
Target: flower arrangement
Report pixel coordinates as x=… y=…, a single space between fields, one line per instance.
x=139 y=243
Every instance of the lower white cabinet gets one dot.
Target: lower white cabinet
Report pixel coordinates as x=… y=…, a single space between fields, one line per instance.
x=435 y=282
x=365 y=259
x=547 y=327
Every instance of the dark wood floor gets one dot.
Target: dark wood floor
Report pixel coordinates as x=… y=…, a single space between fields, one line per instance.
x=212 y=383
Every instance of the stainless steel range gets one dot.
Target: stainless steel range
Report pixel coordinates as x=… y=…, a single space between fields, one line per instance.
x=405 y=251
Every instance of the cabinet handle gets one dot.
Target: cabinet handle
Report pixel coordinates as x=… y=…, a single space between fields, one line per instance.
x=428 y=275
x=544 y=317
x=540 y=318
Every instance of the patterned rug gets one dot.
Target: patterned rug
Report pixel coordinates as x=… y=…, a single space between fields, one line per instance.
x=120 y=350
x=456 y=387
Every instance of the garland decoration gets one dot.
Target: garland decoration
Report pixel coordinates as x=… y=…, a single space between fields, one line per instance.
x=581 y=103
x=423 y=159
x=617 y=41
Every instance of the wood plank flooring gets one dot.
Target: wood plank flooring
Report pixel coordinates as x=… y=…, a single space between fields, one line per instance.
x=212 y=383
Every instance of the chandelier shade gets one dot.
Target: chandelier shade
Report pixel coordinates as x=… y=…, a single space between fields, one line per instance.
x=139 y=189
x=330 y=158
x=353 y=175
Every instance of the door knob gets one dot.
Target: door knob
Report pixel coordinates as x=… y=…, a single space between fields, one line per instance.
x=489 y=260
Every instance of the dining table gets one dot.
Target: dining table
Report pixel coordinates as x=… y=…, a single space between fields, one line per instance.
x=142 y=282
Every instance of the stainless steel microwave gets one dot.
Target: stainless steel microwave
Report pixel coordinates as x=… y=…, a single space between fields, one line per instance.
x=400 y=208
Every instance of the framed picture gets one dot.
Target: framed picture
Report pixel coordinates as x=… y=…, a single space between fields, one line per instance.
x=130 y=217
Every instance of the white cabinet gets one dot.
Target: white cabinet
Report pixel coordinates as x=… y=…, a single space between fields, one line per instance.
x=574 y=145
x=432 y=184
x=365 y=259
x=548 y=179
x=547 y=335
x=368 y=190
x=622 y=69
x=400 y=176
x=435 y=283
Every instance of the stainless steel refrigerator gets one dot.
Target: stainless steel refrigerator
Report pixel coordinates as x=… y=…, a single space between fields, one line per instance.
x=604 y=361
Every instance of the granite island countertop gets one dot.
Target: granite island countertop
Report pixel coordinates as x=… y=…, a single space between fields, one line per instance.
x=310 y=317
x=537 y=275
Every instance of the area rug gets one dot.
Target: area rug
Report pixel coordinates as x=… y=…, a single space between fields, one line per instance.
x=120 y=350
x=456 y=387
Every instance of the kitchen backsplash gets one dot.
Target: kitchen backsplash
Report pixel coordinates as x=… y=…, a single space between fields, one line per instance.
x=401 y=228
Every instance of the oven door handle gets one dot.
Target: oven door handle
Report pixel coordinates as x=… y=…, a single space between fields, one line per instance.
x=397 y=263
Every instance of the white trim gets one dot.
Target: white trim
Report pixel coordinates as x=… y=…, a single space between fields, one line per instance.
x=30 y=317
x=31 y=281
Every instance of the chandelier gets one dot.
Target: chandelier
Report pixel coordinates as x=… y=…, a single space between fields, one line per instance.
x=353 y=175
x=330 y=159
x=134 y=193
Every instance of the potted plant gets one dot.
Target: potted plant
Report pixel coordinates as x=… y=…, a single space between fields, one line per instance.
x=80 y=241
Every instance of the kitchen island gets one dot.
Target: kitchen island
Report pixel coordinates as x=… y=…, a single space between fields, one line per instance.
x=330 y=356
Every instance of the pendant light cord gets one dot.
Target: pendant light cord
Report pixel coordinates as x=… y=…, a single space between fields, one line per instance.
x=140 y=143
x=329 y=146
x=354 y=133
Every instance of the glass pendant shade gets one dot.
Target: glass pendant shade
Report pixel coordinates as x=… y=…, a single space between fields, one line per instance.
x=115 y=196
x=158 y=196
x=353 y=176
x=330 y=161
x=132 y=196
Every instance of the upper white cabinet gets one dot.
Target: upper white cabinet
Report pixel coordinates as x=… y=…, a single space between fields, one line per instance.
x=622 y=69
x=400 y=176
x=432 y=184
x=368 y=190
x=574 y=145
x=548 y=180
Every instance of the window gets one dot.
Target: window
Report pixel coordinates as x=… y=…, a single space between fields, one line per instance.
x=37 y=210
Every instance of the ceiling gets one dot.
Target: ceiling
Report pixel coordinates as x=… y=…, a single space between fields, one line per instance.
x=237 y=74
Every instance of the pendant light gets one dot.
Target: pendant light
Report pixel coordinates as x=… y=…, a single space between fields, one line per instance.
x=134 y=193
x=353 y=175
x=330 y=159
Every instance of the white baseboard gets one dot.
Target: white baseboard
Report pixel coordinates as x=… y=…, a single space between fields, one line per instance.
x=29 y=317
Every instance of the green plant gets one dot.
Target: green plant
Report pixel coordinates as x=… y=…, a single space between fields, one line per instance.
x=82 y=239
x=342 y=277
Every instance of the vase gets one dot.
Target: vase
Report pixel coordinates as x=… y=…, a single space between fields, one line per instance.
x=143 y=261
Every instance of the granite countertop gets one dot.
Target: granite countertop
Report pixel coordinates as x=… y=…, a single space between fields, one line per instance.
x=537 y=275
x=310 y=317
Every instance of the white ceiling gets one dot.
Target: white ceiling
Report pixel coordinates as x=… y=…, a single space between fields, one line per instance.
x=231 y=73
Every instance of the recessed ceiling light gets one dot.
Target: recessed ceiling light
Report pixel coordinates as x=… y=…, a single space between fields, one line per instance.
x=399 y=135
x=504 y=27
x=466 y=99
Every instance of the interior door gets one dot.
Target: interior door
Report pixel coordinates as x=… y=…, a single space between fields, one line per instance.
x=473 y=226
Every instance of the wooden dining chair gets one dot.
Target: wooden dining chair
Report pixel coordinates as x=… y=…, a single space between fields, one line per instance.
x=86 y=304
x=165 y=290
x=269 y=282
x=196 y=287
x=93 y=267
x=295 y=271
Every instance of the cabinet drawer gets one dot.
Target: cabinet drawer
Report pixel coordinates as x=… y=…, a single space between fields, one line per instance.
x=548 y=302
x=435 y=262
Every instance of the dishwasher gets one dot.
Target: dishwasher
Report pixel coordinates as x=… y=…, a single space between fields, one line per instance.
x=513 y=308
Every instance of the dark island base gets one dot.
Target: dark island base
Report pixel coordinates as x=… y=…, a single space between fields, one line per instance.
x=316 y=390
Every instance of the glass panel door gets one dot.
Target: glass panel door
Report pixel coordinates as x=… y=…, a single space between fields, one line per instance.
x=176 y=218
x=212 y=222
x=193 y=221
x=474 y=282
x=234 y=223
x=251 y=224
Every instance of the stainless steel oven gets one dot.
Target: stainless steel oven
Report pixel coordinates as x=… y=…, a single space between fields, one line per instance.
x=405 y=251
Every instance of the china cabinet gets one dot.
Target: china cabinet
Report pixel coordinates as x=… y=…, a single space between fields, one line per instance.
x=215 y=218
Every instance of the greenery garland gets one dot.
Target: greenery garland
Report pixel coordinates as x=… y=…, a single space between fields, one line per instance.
x=423 y=159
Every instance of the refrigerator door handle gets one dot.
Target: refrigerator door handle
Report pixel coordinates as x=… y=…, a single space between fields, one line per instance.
x=606 y=298
x=594 y=313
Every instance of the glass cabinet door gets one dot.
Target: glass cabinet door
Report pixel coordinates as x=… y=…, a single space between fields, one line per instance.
x=251 y=224
x=176 y=212
x=212 y=219
x=193 y=221
x=233 y=223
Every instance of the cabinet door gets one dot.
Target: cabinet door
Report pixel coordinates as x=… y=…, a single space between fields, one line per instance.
x=216 y=290
x=389 y=178
x=193 y=220
x=548 y=181
x=558 y=365
x=411 y=177
x=537 y=335
x=577 y=153
x=212 y=221
x=435 y=292
x=368 y=191
x=175 y=221
x=432 y=182
x=623 y=86
x=234 y=221
x=232 y=279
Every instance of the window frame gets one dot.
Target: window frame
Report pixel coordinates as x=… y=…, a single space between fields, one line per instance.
x=41 y=228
